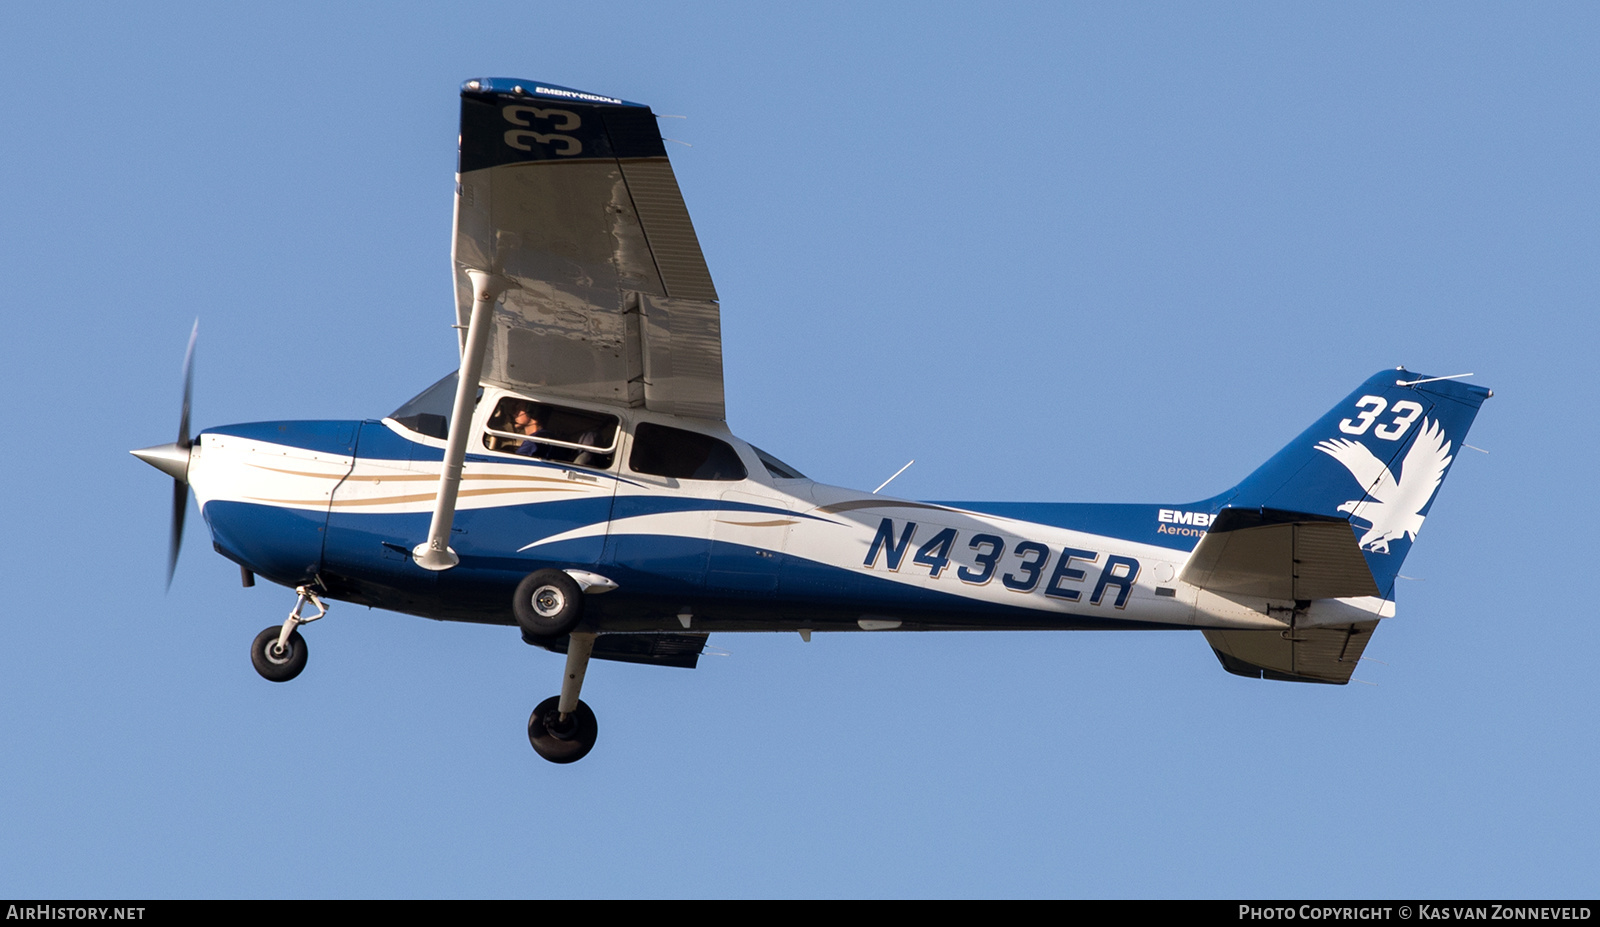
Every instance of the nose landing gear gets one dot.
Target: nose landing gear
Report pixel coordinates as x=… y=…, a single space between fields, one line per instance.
x=279 y=653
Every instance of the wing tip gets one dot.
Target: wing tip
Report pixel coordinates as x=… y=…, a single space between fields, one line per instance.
x=520 y=87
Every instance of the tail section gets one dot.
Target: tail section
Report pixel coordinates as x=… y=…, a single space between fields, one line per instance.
x=1375 y=461
x=1326 y=524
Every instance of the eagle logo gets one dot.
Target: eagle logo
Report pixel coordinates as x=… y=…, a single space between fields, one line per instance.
x=1392 y=507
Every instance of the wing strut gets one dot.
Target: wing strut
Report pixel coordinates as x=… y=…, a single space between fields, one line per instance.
x=435 y=553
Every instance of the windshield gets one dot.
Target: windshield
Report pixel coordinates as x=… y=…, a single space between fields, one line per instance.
x=428 y=412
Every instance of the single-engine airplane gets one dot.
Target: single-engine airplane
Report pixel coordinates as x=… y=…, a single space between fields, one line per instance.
x=575 y=477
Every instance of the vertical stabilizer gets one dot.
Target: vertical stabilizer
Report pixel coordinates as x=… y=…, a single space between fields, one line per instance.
x=1376 y=460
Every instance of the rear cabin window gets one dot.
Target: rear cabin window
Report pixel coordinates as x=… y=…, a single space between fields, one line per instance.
x=548 y=432
x=685 y=455
x=776 y=467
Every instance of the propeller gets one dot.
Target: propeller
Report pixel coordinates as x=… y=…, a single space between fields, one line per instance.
x=173 y=459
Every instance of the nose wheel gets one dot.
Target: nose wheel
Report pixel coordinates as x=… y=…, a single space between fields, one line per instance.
x=278 y=662
x=279 y=652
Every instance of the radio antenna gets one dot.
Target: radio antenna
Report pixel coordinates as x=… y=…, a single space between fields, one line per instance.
x=896 y=473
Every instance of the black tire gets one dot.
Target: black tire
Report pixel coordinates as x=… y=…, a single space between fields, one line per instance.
x=278 y=667
x=562 y=743
x=548 y=604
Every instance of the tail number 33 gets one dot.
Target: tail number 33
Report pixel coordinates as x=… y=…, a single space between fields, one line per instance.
x=1405 y=412
x=560 y=120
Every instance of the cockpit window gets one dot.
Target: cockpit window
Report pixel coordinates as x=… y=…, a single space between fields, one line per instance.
x=549 y=432
x=776 y=467
x=685 y=455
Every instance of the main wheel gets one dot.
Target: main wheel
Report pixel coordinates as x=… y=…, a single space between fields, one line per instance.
x=278 y=665
x=558 y=741
x=547 y=604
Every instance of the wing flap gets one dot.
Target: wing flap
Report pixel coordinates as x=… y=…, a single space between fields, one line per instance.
x=682 y=354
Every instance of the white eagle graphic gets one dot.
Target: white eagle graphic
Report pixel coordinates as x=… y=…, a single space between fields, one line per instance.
x=1394 y=508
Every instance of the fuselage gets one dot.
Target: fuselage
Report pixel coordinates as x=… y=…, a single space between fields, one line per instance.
x=341 y=505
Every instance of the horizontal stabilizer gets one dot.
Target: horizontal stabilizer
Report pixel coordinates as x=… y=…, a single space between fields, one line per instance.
x=1325 y=655
x=1280 y=555
x=652 y=649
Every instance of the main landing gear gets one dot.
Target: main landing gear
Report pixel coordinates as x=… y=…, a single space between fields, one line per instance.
x=279 y=653
x=563 y=729
x=548 y=604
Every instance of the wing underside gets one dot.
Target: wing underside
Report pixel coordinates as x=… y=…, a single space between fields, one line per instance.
x=569 y=198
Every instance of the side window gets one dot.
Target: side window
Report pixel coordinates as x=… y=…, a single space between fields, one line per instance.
x=776 y=467
x=555 y=433
x=685 y=455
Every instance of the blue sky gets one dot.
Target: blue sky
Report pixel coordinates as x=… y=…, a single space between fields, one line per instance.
x=1054 y=252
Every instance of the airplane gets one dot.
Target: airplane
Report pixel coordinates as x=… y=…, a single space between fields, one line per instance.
x=575 y=477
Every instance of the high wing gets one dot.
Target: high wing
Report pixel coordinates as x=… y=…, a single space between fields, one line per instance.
x=577 y=271
x=568 y=198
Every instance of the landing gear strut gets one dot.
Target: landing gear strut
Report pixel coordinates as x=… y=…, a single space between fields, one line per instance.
x=563 y=729
x=279 y=652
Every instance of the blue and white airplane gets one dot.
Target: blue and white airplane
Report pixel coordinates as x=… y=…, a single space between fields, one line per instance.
x=575 y=477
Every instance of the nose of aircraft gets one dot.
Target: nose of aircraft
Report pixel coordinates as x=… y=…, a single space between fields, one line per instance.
x=173 y=459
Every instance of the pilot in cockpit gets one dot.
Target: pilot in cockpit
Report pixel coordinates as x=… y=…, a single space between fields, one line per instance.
x=524 y=422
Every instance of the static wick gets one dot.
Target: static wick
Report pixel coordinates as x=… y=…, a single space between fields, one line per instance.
x=1478 y=449
x=1455 y=376
x=896 y=473
x=679 y=141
